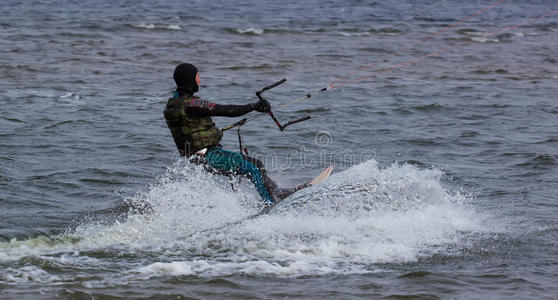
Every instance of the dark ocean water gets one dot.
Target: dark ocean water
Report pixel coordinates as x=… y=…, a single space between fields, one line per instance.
x=446 y=170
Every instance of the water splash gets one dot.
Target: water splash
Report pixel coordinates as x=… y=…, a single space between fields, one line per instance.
x=197 y=225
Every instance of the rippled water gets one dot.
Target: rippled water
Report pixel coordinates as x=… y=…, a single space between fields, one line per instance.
x=445 y=170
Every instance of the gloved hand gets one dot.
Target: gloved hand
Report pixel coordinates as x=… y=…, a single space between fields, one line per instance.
x=262 y=106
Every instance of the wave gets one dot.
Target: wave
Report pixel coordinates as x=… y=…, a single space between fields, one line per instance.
x=263 y=66
x=472 y=32
x=349 y=32
x=490 y=71
x=478 y=39
x=360 y=217
x=430 y=107
x=156 y=26
x=360 y=32
x=484 y=40
x=70 y=95
x=248 y=31
x=539 y=161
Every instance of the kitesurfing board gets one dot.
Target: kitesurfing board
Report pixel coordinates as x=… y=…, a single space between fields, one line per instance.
x=322 y=177
x=317 y=180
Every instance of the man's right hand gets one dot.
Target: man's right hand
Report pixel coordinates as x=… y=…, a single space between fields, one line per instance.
x=262 y=106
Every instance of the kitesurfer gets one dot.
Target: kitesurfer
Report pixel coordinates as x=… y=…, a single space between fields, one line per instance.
x=189 y=120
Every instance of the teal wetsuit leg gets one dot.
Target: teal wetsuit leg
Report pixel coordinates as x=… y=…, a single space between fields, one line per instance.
x=225 y=160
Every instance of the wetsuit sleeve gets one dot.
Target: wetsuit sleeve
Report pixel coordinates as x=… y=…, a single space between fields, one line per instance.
x=201 y=108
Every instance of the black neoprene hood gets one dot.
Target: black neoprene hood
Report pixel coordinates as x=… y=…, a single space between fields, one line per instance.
x=185 y=78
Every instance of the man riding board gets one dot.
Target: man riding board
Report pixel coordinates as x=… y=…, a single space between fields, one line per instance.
x=195 y=135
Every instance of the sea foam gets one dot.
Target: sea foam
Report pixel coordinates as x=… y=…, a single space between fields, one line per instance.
x=196 y=224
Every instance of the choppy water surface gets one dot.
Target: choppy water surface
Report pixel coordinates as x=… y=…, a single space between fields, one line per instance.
x=445 y=176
